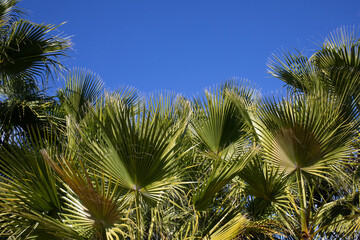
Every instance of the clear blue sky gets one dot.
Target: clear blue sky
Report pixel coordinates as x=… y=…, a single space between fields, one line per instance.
x=187 y=45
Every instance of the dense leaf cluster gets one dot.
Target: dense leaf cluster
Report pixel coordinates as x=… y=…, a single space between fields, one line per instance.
x=229 y=164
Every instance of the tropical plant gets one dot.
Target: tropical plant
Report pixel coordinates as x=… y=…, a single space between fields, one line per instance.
x=228 y=164
x=28 y=50
x=29 y=53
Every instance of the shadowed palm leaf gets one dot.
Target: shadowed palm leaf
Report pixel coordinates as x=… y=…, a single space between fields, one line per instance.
x=27 y=51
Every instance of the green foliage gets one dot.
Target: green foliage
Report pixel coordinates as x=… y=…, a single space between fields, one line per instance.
x=228 y=164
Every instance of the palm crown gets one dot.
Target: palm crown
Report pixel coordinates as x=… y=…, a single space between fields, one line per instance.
x=228 y=164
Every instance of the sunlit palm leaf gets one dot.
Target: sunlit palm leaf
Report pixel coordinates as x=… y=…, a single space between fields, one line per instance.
x=308 y=137
x=294 y=69
x=26 y=177
x=133 y=146
x=82 y=89
x=94 y=207
x=217 y=123
x=306 y=133
x=222 y=132
x=223 y=171
x=340 y=49
x=234 y=226
x=8 y=13
x=138 y=146
x=28 y=187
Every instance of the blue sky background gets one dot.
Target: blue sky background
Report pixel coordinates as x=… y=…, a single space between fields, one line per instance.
x=188 y=45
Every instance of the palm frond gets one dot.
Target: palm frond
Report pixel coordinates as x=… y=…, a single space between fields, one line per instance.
x=30 y=50
x=224 y=170
x=267 y=190
x=93 y=205
x=9 y=13
x=134 y=145
x=307 y=133
x=82 y=89
x=294 y=69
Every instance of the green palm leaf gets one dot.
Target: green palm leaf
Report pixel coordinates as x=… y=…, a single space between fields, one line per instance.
x=9 y=13
x=217 y=124
x=29 y=50
x=308 y=137
x=223 y=171
x=28 y=187
x=94 y=206
x=138 y=146
x=306 y=133
x=221 y=131
x=82 y=89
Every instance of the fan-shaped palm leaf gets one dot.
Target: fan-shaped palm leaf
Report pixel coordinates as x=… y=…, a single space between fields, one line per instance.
x=267 y=190
x=94 y=206
x=222 y=133
x=82 y=89
x=138 y=147
x=28 y=50
x=217 y=124
x=308 y=137
x=27 y=186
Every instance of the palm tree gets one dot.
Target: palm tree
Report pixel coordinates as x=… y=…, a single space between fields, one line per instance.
x=125 y=165
x=228 y=190
x=335 y=68
x=133 y=153
x=29 y=53
x=138 y=147
x=309 y=139
x=28 y=50
x=138 y=170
